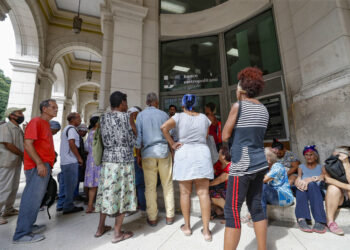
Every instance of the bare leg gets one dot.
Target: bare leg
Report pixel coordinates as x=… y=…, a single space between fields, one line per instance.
x=232 y=236
x=92 y=194
x=185 y=202
x=220 y=202
x=101 y=225
x=202 y=188
x=334 y=198
x=260 y=229
x=118 y=225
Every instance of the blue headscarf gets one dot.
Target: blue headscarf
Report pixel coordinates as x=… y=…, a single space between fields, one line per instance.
x=189 y=101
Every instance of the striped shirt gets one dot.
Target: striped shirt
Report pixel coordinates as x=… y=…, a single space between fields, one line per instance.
x=247 y=151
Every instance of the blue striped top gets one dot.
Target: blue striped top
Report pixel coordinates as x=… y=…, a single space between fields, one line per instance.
x=247 y=150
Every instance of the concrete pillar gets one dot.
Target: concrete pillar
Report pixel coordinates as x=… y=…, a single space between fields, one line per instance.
x=47 y=78
x=68 y=103
x=60 y=100
x=106 y=63
x=24 y=89
x=126 y=52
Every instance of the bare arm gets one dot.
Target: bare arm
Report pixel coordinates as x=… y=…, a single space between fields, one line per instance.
x=29 y=147
x=166 y=127
x=345 y=160
x=13 y=149
x=267 y=179
x=220 y=179
x=75 y=151
x=230 y=123
x=331 y=181
x=294 y=168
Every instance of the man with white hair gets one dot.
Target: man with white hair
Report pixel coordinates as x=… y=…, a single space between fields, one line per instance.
x=156 y=158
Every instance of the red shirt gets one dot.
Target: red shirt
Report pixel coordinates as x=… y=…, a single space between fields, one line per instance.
x=219 y=170
x=39 y=131
x=215 y=131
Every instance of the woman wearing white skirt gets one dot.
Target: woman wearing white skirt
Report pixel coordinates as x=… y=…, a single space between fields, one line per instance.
x=192 y=161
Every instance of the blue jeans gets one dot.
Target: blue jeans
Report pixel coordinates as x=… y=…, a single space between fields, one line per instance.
x=61 y=191
x=269 y=196
x=140 y=186
x=70 y=179
x=32 y=197
x=313 y=196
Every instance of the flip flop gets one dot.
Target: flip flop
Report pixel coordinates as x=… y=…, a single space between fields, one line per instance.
x=124 y=236
x=186 y=234
x=207 y=239
x=107 y=228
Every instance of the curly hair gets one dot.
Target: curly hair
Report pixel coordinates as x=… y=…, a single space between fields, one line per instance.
x=251 y=81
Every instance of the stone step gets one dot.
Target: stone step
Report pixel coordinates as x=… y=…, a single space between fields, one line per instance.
x=281 y=215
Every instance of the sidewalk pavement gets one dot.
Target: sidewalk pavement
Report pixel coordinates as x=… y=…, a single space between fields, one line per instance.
x=76 y=231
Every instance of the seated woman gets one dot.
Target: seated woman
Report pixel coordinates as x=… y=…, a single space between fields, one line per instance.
x=288 y=159
x=308 y=191
x=337 y=192
x=217 y=187
x=276 y=189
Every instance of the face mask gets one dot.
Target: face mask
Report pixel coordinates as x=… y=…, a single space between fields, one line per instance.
x=19 y=119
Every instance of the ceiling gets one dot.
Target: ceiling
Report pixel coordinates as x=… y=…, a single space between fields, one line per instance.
x=87 y=7
x=85 y=56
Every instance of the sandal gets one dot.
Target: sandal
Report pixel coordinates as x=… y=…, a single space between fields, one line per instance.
x=246 y=219
x=207 y=238
x=186 y=234
x=106 y=229
x=124 y=236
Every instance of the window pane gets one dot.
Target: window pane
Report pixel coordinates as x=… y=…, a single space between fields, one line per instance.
x=253 y=43
x=186 y=6
x=190 y=64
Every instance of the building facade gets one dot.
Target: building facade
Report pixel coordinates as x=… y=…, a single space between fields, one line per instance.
x=173 y=47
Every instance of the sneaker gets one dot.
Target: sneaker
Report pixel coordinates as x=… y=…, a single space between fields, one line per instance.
x=303 y=226
x=3 y=220
x=319 y=228
x=10 y=213
x=74 y=210
x=59 y=209
x=31 y=238
x=333 y=227
x=38 y=229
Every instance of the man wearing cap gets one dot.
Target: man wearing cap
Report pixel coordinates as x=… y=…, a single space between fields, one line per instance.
x=11 y=155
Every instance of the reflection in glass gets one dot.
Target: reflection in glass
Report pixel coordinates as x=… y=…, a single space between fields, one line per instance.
x=190 y=64
x=253 y=43
x=186 y=6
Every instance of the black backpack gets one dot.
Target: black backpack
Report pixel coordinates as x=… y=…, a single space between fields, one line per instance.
x=335 y=168
x=50 y=195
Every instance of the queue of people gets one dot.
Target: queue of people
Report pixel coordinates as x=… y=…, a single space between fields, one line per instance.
x=127 y=149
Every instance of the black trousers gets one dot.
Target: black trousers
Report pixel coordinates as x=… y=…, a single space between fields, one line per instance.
x=240 y=188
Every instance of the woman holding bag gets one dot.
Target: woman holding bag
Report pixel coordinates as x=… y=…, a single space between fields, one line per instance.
x=192 y=161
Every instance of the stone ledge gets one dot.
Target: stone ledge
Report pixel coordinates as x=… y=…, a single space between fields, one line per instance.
x=282 y=215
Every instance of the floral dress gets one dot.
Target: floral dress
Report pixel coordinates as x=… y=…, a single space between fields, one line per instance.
x=116 y=190
x=92 y=172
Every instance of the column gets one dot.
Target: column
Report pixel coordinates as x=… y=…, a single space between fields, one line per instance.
x=127 y=49
x=47 y=78
x=106 y=63
x=60 y=100
x=23 y=86
x=68 y=103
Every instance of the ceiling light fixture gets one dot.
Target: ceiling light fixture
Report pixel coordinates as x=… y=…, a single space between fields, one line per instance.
x=89 y=71
x=207 y=44
x=233 y=52
x=172 y=7
x=95 y=95
x=181 y=68
x=77 y=22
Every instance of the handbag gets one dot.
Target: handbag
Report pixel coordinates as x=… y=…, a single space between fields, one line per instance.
x=335 y=169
